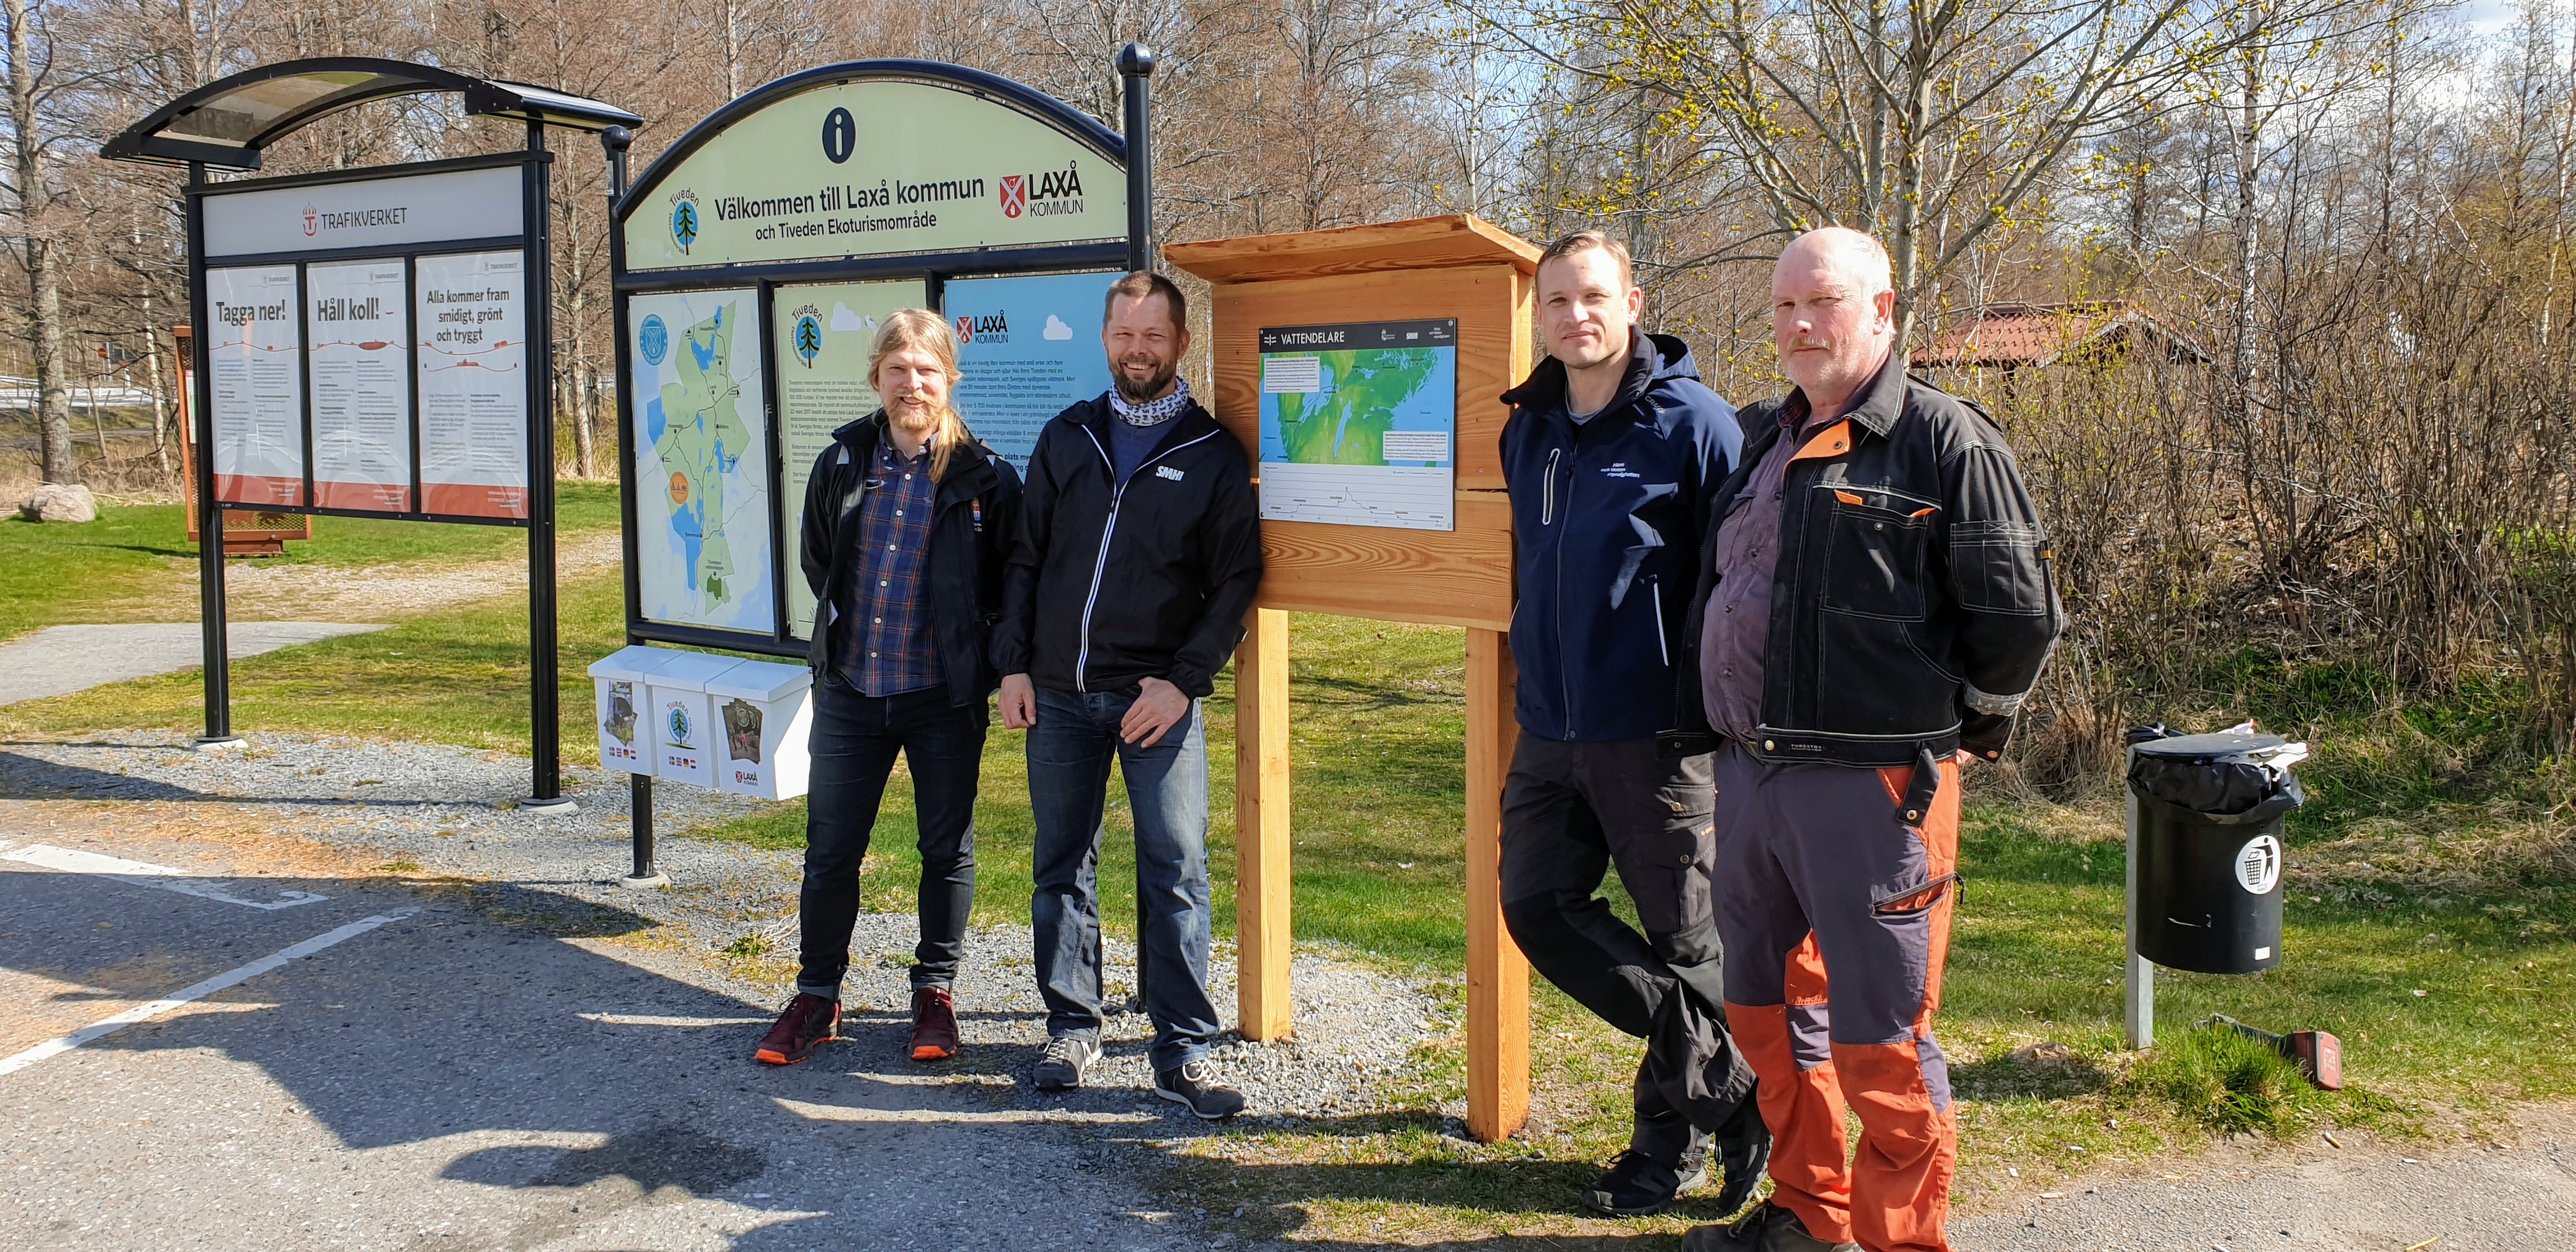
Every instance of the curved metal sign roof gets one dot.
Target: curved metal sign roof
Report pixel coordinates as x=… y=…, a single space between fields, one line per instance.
x=229 y=121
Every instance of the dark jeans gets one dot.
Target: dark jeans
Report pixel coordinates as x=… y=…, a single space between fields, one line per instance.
x=855 y=739
x=1572 y=810
x=1070 y=749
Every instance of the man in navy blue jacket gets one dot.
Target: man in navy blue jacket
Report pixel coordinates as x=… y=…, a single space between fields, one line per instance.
x=1612 y=449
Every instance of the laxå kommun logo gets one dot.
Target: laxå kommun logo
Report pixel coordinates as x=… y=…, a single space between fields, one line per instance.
x=1054 y=193
x=992 y=328
x=806 y=341
x=684 y=219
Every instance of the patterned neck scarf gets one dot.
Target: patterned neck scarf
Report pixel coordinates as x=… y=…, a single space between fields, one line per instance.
x=1152 y=412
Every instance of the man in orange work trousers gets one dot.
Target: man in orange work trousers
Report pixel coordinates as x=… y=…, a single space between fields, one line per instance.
x=1873 y=607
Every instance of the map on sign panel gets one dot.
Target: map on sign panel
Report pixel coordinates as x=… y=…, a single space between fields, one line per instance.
x=1359 y=424
x=702 y=533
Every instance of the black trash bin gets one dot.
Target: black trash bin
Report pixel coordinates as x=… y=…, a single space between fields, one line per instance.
x=2209 y=851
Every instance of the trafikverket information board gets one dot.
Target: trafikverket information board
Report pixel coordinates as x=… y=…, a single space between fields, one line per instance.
x=360 y=361
x=471 y=321
x=254 y=362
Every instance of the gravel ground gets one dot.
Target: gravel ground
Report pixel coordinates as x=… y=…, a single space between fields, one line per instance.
x=437 y=811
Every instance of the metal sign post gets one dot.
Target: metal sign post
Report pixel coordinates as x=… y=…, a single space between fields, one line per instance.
x=2140 y=974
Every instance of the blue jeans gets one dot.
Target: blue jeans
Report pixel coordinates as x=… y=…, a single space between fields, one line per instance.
x=1070 y=749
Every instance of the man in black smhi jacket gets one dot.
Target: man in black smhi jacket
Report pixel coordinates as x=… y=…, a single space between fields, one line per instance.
x=1138 y=552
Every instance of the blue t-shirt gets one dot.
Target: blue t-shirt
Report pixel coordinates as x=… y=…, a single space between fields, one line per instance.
x=1130 y=444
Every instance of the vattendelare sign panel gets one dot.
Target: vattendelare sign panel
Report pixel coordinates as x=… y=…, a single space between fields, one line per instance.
x=872 y=167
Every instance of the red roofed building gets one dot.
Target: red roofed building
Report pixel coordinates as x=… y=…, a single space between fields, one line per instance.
x=2014 y=336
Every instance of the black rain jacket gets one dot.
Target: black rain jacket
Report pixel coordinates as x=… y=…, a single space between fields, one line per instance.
x=972 y=517
x=1111 y=585
x=1913 y=608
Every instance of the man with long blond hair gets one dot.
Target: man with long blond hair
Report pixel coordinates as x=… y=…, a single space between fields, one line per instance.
x=907 y=522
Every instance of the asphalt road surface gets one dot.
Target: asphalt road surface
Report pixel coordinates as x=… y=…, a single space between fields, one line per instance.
x=432 y=1069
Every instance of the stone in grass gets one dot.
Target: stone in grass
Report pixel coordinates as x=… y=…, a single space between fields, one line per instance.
x=60 y=502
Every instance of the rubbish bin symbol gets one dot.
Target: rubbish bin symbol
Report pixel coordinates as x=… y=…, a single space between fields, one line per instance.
x=2258 y=865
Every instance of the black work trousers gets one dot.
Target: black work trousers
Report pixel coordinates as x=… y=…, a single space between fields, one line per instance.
x=855 y=740
x=1570 y=811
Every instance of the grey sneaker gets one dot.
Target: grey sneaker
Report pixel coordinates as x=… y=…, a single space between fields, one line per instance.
x=1061 y=1065
x=1767 y=1228
x=1196 y=1085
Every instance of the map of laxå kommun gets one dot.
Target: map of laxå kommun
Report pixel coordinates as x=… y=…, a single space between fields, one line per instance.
x=1359 y=424
x=702 y=519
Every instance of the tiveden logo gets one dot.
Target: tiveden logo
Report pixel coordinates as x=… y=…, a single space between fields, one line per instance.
x=1054 y=193
x=684 y=219
x=312 y=221
x=680 y=727
x=807 y=342
x=653 y=339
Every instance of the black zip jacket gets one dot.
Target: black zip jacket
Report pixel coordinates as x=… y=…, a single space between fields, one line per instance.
x=1913 y=608
x=973 y=515
x=1108 y=586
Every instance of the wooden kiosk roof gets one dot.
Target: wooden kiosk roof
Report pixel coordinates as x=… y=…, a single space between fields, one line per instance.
x=1421 y=243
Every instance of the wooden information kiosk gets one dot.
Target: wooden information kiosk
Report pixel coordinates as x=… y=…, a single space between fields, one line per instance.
x=1451 y=276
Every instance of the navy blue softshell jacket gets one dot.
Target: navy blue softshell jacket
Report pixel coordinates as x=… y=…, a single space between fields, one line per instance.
x=1607 y=518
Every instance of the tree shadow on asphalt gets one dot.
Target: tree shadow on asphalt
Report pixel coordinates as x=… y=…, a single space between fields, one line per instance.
x=492 y=1022
x=32 y=778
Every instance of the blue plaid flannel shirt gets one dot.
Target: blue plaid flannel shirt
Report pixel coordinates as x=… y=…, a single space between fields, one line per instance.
x=885 y=646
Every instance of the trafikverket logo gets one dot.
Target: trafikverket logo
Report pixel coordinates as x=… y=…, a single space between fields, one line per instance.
x=312 y=221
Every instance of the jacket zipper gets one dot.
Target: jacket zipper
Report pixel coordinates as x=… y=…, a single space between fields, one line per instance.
x=1661 y=647
x=1564 y=687
x=1547 y=492
x=1100 y=563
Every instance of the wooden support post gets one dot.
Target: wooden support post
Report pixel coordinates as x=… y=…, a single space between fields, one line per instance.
x=1261 y=829
x=1498 y=1012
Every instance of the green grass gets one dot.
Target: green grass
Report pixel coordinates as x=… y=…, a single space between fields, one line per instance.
x=2032 y=1009
x=135 y=562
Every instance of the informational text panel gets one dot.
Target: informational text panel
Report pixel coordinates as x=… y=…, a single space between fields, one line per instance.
x=471 y=321
x=255 y=368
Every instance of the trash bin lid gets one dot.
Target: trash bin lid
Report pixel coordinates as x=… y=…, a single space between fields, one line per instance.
x=2207 y=747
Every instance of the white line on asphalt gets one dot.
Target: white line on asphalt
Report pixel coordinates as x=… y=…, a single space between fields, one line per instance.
x=937 y=1117
x=647 y=1019
x=146 y=1012
x=146 y=874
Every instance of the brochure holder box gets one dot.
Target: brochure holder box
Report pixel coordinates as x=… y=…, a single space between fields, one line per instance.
x=763 y=713
x=685 y=732
x=624 y=719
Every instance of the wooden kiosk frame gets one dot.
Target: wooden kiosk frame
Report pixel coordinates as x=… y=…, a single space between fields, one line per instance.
x=1434 y=267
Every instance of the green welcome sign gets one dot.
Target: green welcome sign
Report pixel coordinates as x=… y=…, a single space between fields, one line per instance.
x=754 y=260
x=875 y=166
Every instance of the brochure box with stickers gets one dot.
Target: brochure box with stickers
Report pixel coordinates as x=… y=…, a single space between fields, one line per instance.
x=685 y=734
x=763 y=713
x=625 y=727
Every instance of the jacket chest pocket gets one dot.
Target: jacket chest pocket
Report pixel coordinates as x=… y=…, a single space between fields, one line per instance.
x=1875 y=540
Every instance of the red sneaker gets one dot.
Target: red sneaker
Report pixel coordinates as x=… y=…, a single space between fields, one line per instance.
x=809 y=1022
x=934 y=1024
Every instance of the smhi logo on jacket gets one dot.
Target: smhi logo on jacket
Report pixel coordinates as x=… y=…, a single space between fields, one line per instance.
x=1054 y=193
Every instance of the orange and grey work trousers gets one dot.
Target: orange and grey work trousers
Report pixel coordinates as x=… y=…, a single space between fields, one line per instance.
x=1834 y=895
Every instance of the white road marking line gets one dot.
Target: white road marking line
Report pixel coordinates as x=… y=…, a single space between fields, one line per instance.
x=146 y=1012
x=647 y=1019
x=146 y=874
x=935 y=1117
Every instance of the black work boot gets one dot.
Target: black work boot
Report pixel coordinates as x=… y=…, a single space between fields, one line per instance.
x=1768 y=1228
x=1640 y=1186
x=1744 y=1149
